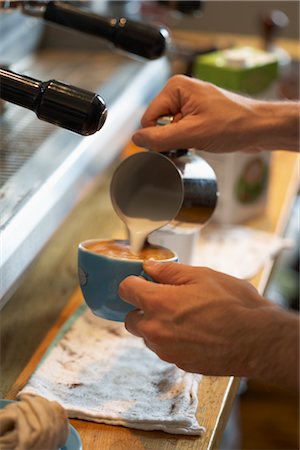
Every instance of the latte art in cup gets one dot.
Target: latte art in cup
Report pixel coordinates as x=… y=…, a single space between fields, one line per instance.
x=103 y=264
x=122 y=250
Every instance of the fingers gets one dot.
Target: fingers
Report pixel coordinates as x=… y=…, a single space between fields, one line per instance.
x=161 y=351
x=159 y=107
x=171 y=273
x=132 y=289
x=133 y=322
x=138 y=325
x=143 y=294
x=167 y=102
x=151 y=297
x=163 y=138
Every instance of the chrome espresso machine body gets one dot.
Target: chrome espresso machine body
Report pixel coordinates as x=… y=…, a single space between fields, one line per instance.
x=56 y=73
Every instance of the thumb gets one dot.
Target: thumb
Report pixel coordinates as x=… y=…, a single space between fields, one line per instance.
x=162 y=138
x=170 y=272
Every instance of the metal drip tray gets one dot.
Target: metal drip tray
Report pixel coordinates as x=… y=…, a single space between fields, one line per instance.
x=44 y=169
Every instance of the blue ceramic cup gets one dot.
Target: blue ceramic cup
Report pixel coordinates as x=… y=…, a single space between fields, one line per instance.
x=100 y=276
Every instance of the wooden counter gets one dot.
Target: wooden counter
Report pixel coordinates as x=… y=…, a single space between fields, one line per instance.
x=29 y=320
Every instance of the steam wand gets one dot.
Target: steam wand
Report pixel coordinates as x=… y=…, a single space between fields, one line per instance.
x=62 y=104
x=145 y=40
x=68 y=106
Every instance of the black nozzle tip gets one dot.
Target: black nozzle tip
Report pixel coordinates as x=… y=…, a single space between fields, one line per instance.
x=70 y=107
x=141 y=39
x=96 y=117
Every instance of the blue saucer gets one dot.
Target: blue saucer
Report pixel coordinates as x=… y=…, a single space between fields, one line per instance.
x=73 y=442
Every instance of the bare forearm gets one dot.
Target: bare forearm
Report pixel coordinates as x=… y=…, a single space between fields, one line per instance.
x=274 y=350
x=277 y=125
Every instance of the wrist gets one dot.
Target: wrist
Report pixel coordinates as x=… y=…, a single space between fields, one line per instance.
x=278 y=125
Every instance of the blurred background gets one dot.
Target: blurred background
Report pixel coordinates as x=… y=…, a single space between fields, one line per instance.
x=243 y=17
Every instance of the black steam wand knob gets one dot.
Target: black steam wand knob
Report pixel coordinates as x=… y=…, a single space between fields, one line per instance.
x=62 y=104
x=141 y=39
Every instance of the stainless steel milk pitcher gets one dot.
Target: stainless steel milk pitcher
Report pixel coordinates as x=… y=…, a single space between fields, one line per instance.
x=199 y=182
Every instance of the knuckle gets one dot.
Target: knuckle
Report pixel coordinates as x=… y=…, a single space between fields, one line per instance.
x=206 y=272
x=168 y=268
x=156 y=334
x=152 y=332
x=178 y=78
x=149 y=331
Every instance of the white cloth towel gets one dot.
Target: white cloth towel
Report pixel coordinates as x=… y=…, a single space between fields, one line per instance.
x=237 y=250
x=98 y=371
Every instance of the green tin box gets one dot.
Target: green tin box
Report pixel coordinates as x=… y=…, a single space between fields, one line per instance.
x=242 y=69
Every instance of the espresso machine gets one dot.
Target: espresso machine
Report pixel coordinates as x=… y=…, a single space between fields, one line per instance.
x=74 y=84
x=75 y=79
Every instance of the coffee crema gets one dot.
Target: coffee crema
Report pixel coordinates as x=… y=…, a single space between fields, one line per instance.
x=122 y=250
